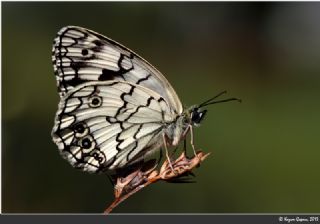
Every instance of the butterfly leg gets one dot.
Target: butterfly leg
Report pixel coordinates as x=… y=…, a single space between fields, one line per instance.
x=192 y=141
x=189 y=128
x=167 y=153
x=184 y=136
x=185 y=147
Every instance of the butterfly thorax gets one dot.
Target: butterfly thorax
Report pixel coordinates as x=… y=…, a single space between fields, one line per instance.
x=179 y=128
x=175 y=130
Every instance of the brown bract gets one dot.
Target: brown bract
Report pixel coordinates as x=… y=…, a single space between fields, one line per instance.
x=140 y=178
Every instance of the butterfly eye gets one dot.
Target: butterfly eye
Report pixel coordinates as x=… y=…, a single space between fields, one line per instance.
x=197 y=116
x=95 y=101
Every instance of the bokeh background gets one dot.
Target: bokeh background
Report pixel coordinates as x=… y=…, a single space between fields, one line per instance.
x=265 y=151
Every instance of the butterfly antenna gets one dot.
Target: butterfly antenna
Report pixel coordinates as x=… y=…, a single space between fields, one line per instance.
x=209 y=100
x=222 y=101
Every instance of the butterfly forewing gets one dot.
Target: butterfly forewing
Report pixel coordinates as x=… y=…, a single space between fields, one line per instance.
x=109 y=124
x=81 y=55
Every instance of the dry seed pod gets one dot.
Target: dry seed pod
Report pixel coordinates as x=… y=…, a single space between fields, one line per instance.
x=140 y=178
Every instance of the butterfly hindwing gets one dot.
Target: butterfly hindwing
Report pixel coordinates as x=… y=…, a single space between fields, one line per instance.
x=81 y=55
x=108 y=124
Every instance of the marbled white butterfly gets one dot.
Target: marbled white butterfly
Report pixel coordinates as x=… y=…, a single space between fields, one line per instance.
x=115 y=108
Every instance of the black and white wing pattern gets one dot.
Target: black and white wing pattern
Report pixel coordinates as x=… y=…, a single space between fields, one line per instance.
x=109 y=124
x=114 y=106
x=81 y=55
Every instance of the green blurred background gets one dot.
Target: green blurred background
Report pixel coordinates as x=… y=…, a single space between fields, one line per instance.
x=265 y=151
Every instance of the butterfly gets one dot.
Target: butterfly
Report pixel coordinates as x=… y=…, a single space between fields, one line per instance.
x=115 y=108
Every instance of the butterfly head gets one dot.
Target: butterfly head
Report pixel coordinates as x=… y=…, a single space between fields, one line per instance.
x=196 y=116
x=197 y=113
